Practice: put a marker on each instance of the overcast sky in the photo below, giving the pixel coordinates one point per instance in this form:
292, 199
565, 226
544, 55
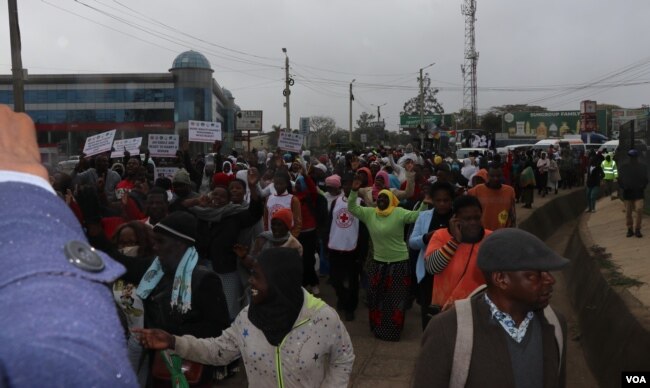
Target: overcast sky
523, 45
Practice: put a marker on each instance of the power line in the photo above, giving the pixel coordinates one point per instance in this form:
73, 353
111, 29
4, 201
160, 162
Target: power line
194, 37
168, 37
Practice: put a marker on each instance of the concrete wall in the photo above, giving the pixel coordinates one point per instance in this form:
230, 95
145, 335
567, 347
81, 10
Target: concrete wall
614, 326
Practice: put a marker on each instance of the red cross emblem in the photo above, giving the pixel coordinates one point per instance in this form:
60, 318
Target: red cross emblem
344, 218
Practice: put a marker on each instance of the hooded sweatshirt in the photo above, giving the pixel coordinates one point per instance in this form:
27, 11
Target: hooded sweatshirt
316, 350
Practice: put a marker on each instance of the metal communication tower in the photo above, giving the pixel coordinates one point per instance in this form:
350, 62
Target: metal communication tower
471, 59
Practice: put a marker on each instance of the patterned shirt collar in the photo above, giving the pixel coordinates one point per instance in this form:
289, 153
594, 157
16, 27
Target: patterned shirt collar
506, 321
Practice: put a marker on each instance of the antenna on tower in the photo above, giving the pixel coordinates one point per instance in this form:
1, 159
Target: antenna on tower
468, 69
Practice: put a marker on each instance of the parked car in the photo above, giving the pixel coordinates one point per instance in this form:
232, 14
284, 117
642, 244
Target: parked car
463, 153
66, 166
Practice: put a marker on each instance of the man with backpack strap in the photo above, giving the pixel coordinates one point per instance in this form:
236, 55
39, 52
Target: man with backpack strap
506, 335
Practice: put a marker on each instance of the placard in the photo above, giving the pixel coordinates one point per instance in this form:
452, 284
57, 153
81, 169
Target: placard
204, 131
165, 172
99, 143
163, 145
131, 145
291, 142
249, 120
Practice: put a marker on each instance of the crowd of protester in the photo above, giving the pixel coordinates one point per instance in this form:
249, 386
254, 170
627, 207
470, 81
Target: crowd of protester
384, 224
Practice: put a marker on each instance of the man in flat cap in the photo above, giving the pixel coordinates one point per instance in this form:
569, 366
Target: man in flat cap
505, 335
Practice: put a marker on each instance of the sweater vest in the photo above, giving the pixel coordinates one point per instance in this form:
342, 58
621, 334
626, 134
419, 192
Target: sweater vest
344, 232
277, 202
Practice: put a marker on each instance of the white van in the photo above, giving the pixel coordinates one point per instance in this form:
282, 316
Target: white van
608, 146
577, 145
463, 153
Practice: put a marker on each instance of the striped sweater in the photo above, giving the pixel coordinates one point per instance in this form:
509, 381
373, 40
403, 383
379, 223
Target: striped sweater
453, 265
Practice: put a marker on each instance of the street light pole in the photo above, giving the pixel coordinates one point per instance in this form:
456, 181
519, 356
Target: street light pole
287, 91
422, 104
351, 99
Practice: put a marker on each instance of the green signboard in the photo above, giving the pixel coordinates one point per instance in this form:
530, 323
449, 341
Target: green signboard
542, 125
412, 121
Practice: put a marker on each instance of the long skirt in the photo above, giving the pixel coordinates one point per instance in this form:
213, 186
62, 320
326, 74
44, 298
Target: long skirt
388, 292
344, 274
232, 290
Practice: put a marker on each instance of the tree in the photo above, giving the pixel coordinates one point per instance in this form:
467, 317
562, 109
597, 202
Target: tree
323, 128
364, 120
491, 122
502, 109
274, 135
431, 104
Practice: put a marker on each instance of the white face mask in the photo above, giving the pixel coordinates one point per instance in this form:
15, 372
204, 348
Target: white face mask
129, 251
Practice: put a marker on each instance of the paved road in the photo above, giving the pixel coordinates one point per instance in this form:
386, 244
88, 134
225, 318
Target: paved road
381, 364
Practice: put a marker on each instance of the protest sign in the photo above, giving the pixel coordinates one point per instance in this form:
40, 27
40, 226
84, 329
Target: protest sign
291, 142
204, 131
99, 143
163, 145
165, 172
131, 145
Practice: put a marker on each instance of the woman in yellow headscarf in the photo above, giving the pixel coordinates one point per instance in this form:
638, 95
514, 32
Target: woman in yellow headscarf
388, 271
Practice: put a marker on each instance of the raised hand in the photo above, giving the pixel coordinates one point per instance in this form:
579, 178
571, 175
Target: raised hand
356, 184
18, 146
253, 177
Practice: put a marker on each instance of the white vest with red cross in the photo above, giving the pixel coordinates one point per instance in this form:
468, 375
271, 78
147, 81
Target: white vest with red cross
277, 202
344, 231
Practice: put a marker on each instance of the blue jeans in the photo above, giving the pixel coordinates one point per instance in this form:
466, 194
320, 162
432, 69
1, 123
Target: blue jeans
592, 196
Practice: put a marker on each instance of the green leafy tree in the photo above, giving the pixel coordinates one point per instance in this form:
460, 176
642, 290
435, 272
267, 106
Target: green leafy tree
502, 109
491, 122
364, 120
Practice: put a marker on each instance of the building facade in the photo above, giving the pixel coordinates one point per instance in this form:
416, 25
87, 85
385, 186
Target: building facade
67, 108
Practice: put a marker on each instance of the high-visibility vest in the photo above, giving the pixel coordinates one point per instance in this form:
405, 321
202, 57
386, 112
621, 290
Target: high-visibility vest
610, 170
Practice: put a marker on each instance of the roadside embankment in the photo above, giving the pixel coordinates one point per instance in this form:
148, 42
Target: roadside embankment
614, 324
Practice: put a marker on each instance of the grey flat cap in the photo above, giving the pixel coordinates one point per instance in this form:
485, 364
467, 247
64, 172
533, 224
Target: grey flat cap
513, 249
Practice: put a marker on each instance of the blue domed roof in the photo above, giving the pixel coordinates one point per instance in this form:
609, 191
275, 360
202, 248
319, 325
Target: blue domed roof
191, 60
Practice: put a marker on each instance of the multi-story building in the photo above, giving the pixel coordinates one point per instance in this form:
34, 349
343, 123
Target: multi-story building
67, 108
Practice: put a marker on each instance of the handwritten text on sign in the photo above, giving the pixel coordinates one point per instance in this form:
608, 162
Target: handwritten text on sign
165, 172
204, 131
99, 143
163, 145
290, 141
131, 145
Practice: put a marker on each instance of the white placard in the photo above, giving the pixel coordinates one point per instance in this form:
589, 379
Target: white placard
291, 142
249, 120
99, 143
204, 131
364, 138
165, 172
163, 145
131, 145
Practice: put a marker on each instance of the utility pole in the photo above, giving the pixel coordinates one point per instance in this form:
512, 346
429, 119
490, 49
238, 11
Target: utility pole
378, 111
16, 59
351, 99
421, 101
286, 92
422, 104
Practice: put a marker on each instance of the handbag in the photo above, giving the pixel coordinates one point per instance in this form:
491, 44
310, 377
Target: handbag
170, 367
